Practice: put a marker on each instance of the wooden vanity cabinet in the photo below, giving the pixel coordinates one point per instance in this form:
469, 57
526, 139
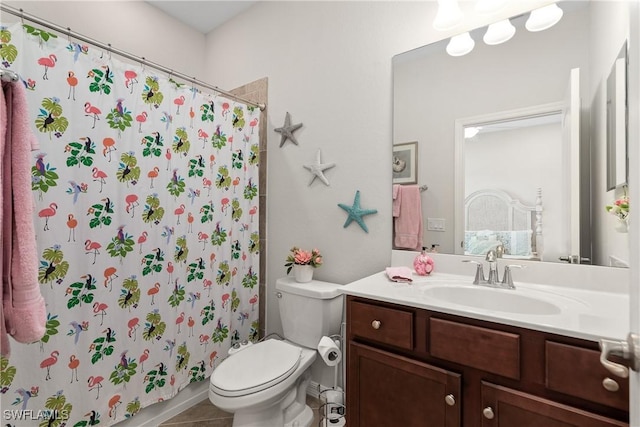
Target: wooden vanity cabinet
394, 390
413, 367
507, 407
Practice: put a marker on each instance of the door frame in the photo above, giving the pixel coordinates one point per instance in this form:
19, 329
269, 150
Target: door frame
459, 154
634, 194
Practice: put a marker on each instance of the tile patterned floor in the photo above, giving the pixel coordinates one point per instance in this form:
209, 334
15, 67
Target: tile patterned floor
204, 414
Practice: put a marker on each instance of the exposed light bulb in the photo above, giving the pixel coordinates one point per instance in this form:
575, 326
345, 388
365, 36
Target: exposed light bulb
499, 32
544, 18
488, 7
460, 45
449, 15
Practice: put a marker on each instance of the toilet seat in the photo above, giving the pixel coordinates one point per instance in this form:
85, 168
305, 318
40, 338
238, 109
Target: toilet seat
255, 368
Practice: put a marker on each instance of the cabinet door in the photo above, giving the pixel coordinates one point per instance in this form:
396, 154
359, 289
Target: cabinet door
388, 390
504, 407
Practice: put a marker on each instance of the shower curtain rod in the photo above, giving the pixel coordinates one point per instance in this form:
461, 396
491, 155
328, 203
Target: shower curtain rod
8, 75
67, 31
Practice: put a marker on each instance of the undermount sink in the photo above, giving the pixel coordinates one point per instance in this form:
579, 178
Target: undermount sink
493, 299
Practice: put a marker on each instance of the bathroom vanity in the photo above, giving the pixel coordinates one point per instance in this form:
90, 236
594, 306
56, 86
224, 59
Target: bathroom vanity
421, 355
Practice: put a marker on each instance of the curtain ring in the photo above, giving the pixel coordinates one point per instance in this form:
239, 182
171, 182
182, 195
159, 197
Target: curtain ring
69, 34
109, 50
143, 63
22, 16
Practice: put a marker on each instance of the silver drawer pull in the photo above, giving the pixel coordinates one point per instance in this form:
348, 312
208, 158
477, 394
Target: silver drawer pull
376, 324
610, 384
488, 413
450, 400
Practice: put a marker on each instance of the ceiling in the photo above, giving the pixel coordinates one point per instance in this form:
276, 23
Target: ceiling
204, 16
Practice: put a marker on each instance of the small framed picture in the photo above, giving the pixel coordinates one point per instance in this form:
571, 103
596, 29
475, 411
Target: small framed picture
405, 163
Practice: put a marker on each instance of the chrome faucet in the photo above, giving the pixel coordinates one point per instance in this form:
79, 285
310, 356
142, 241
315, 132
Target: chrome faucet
500, 250
494, 279
507, 280
492, 258
479, 279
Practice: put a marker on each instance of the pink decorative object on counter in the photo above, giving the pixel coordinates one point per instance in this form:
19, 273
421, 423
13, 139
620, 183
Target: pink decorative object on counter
423, 264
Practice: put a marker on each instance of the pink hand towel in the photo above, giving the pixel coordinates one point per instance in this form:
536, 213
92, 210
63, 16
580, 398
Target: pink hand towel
396, 200
408, 224
399, 274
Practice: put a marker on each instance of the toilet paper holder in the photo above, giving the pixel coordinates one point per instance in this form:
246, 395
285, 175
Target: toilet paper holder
329, 350
332, 408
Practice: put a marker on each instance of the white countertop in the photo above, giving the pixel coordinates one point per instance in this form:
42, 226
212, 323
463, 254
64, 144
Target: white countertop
585, 314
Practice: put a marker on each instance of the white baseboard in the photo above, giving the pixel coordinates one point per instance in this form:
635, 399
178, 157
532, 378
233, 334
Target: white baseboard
156, 414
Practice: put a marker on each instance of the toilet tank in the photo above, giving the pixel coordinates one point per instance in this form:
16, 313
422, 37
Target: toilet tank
309, 310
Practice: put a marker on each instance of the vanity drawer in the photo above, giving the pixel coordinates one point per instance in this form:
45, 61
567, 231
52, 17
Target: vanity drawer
490, 350
578, 372
385, 325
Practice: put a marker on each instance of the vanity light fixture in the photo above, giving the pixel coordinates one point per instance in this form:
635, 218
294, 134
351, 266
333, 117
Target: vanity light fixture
449, 15
460, 45
544, 18
499, 32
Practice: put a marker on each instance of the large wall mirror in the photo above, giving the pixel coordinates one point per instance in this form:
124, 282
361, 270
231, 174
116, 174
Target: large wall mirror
512, 138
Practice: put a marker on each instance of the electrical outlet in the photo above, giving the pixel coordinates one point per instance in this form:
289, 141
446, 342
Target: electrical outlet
435, 224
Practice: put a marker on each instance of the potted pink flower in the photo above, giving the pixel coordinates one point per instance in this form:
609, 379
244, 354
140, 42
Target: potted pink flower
620, 209
303, 262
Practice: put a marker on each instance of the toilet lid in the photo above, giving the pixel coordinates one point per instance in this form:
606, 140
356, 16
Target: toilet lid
255, 368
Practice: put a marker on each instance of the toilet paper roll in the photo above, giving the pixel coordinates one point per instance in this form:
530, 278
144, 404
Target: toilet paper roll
340, 422
329, 351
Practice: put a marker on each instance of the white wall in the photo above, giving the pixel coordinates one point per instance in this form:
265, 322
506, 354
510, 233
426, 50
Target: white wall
329, 65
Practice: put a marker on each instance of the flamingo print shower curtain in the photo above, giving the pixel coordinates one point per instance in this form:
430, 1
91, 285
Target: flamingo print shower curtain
146, 195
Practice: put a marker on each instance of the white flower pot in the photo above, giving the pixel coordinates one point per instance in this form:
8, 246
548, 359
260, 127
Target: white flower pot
622, 226
303, 273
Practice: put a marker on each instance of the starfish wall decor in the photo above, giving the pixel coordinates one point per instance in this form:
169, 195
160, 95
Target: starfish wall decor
356, 212
317, 169
287, 130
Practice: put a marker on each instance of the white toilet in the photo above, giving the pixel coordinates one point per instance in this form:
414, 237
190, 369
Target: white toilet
265, 384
